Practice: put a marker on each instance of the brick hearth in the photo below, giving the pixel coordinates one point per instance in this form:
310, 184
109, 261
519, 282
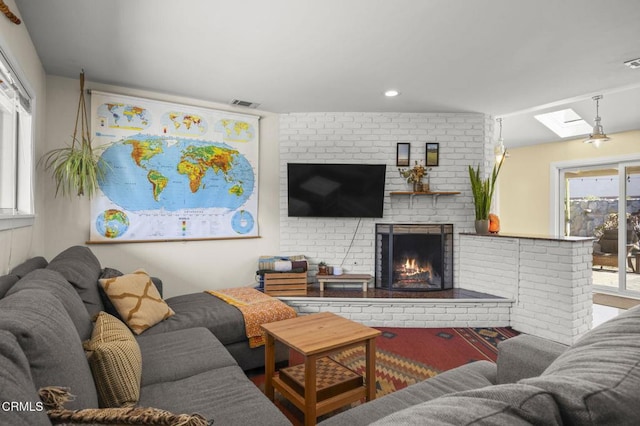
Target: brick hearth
383, 308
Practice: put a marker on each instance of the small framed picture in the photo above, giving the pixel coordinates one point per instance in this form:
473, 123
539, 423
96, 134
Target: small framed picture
403, 154
433, 154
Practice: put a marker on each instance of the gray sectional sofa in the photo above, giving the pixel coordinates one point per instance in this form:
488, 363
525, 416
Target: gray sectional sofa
596, 381
191, 363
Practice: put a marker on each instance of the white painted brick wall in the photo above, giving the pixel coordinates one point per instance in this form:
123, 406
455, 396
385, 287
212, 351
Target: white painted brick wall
550, 281
410, 313
353, 137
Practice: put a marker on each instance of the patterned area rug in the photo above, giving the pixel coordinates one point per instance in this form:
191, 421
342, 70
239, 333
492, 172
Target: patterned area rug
393, 371
405, 356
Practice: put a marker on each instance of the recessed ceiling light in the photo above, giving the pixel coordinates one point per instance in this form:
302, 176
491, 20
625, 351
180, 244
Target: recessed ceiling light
565, 123
391, 93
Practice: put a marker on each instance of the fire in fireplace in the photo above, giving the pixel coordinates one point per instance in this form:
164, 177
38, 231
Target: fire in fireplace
414, 256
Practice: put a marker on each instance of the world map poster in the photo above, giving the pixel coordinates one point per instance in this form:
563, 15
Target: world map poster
173, 172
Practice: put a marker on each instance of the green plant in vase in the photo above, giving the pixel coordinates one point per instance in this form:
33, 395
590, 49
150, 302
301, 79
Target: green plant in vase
76, 168
482, 190
322, 268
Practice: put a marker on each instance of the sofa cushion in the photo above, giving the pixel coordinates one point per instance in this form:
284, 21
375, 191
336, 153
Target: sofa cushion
468, 376
116, 362
17, 386
137, 300
597, 380
179, 354
106, 302
81, 268
224, 395
6, 282
204, 310
29, 265
525, 356
54, 283
50, 342
510, 404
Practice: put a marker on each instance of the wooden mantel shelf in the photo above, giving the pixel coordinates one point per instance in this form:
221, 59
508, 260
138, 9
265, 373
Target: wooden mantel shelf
435, 195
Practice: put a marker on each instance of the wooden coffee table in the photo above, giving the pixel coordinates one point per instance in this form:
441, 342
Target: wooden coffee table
316, 336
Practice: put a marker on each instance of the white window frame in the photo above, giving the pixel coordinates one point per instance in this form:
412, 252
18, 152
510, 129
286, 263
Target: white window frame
16, 149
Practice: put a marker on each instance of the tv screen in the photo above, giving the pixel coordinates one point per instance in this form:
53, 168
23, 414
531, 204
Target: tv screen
335, 190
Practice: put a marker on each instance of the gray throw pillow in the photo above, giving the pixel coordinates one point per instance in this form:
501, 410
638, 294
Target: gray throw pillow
81, 268
597, 380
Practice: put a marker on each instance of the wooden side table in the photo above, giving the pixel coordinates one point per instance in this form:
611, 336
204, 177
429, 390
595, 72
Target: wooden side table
345, 278
316, 336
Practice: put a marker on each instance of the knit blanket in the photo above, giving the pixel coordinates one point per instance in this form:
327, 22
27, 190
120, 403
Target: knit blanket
257, 308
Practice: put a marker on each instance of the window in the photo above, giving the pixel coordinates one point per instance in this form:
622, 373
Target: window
16, 150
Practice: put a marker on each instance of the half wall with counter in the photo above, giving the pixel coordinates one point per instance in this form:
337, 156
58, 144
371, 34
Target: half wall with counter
548, 278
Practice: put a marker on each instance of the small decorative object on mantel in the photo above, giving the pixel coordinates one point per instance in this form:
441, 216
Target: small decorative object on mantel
415, 175
482, 190
494, 223
76, 167
322, 268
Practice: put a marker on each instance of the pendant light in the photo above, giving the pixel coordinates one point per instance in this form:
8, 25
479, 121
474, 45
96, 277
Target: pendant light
499, 150
598, 136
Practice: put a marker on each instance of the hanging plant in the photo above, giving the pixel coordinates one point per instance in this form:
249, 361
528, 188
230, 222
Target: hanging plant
76, 168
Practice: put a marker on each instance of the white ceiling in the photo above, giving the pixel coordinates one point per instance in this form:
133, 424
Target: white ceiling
506, 58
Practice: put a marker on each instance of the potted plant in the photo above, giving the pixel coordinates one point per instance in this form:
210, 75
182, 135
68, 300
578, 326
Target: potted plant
482, 190
76, 168
414, 176
322, 268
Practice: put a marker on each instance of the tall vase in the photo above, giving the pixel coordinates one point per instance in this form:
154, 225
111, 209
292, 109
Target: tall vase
482, 226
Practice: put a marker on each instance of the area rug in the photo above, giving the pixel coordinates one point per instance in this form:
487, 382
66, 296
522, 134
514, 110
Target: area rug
405, 356
615, 301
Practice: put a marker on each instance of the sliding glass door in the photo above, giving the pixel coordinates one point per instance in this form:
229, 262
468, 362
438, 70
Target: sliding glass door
594, 198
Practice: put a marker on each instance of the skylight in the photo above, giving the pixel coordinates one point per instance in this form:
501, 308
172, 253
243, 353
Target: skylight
565, 123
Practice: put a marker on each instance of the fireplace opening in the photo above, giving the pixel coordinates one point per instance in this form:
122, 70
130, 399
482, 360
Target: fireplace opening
414, 256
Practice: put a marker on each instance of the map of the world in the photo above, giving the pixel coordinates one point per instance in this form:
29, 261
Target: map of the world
173, 172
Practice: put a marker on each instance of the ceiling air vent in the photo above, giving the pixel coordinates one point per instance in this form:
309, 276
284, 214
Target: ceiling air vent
246, 104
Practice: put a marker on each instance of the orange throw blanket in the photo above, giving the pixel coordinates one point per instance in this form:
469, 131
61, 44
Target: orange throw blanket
257, 308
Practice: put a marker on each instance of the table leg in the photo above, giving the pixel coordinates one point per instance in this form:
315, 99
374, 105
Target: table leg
371, 369
364, 287
310, 390
269, 366
321, 286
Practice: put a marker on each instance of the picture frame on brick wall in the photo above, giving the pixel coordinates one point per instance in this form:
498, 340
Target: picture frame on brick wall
432, 154
403, 154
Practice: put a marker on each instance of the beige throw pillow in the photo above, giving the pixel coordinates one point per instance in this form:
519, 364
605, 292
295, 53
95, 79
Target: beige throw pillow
116, 362
137, 300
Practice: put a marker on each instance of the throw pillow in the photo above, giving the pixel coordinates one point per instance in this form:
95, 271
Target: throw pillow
137, 300
115, 361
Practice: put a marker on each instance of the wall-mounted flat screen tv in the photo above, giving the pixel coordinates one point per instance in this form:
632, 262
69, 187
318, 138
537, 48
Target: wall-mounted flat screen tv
335, 190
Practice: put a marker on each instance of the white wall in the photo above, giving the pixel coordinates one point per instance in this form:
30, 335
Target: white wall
465, 139
184, 267
524, 184
20, 244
